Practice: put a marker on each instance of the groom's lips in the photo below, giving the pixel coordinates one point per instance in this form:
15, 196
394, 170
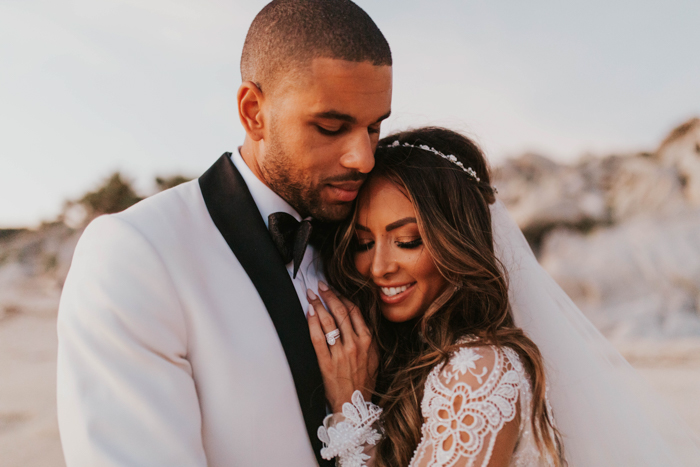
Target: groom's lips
345, 191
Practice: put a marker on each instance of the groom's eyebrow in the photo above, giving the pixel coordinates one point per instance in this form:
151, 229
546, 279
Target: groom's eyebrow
335, 115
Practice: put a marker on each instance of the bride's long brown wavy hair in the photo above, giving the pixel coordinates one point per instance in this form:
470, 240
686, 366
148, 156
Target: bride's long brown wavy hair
454, 220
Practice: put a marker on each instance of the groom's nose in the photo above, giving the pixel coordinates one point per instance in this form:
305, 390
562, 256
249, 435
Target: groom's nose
359, 155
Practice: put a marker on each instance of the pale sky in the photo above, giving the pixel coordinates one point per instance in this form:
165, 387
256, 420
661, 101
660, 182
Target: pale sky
148, 87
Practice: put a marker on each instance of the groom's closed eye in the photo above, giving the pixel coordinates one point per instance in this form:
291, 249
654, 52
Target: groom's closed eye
335, 123
344, 128
331, 132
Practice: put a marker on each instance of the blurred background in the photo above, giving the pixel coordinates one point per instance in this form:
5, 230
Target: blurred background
588, 111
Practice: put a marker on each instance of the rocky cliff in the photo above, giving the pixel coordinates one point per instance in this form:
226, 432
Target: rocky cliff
621, 234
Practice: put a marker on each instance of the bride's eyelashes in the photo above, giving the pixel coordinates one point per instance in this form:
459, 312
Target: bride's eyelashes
361, 247
368, 245
410, 245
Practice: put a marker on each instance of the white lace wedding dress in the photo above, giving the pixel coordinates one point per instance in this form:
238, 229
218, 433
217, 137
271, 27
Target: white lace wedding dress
466, 403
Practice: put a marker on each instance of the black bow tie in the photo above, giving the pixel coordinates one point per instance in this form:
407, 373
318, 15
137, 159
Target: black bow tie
290, 237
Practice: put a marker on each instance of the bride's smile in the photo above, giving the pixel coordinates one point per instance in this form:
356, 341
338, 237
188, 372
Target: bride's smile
390, 252
396, 293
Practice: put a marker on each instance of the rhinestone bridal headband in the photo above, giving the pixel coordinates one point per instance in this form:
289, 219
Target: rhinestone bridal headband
449, 157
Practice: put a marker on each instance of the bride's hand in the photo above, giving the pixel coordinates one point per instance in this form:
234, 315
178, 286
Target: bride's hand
351, 362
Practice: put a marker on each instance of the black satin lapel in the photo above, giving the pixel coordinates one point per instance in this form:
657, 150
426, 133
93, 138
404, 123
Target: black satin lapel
238, 219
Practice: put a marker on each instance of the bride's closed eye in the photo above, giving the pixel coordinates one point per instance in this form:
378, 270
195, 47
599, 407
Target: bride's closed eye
366, 245
360, 245
410, 245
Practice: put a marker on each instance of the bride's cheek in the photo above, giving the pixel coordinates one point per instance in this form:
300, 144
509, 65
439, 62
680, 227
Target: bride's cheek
362, 263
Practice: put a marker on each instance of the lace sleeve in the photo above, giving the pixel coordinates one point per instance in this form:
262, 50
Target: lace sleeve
466, 405
351, 436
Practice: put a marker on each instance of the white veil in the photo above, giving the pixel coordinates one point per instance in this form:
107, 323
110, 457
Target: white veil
607, 414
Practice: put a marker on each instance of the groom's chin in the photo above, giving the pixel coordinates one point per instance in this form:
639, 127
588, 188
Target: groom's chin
333, 212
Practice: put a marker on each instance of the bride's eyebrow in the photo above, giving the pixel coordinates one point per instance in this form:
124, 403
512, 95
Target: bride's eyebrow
390, 227
400, 223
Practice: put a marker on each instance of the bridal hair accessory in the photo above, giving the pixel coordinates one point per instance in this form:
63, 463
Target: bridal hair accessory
332, 336
448, 157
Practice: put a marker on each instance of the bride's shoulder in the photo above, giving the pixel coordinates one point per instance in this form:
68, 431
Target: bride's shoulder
480, 384
479, 364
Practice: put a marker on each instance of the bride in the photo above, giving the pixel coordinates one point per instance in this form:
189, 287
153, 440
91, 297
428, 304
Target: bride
462, 339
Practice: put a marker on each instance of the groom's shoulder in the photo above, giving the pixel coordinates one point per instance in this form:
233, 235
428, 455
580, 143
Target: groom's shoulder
162, 219
178, 209
171, 207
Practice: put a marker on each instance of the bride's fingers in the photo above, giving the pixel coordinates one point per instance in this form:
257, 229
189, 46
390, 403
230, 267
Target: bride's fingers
358, 322
327, 321
338, 309
318, 337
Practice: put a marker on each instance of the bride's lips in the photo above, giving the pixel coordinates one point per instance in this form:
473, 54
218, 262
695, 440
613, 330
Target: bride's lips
399, 297
345, 191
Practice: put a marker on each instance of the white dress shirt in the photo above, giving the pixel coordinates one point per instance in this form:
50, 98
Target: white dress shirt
269, 202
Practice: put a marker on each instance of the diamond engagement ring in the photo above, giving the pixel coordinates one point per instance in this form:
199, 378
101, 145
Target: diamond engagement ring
332, 336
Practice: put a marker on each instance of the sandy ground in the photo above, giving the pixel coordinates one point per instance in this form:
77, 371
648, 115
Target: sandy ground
29, 433
28, 427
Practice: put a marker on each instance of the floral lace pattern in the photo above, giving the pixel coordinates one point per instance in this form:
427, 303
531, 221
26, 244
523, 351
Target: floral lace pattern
345, 436
464, 414
467, 401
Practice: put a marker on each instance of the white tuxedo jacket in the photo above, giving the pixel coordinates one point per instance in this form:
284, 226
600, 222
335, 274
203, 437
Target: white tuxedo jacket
182, 341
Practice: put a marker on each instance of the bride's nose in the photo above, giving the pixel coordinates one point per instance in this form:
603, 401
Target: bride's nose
383, 262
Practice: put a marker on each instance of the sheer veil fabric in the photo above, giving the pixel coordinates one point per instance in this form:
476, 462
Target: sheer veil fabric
607, 414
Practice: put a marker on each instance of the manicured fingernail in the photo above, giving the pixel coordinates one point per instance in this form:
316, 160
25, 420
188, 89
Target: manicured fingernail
311, 310
311, 294
322, 285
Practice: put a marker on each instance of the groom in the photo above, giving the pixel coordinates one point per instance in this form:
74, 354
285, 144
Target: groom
182, 334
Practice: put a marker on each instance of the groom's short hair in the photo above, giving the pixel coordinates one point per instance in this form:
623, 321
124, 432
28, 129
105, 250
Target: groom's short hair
289, 34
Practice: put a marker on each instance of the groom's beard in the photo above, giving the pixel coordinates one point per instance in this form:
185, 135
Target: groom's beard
299, 188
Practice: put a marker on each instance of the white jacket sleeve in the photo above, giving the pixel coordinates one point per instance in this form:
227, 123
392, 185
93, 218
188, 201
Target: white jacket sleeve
126, 395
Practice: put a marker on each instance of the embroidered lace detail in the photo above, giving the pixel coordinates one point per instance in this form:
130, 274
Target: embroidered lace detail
466, 402
345, 436
465, 407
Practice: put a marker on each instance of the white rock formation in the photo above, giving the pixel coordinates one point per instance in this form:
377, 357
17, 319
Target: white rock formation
681, 151
621, 234
637, 279
542, 194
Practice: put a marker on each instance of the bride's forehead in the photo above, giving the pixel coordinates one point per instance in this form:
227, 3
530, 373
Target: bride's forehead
382, 201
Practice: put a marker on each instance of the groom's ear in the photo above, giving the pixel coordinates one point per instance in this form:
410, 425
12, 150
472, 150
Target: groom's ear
250, 109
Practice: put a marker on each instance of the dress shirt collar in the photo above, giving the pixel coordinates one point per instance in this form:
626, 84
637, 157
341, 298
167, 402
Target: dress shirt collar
267, 200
